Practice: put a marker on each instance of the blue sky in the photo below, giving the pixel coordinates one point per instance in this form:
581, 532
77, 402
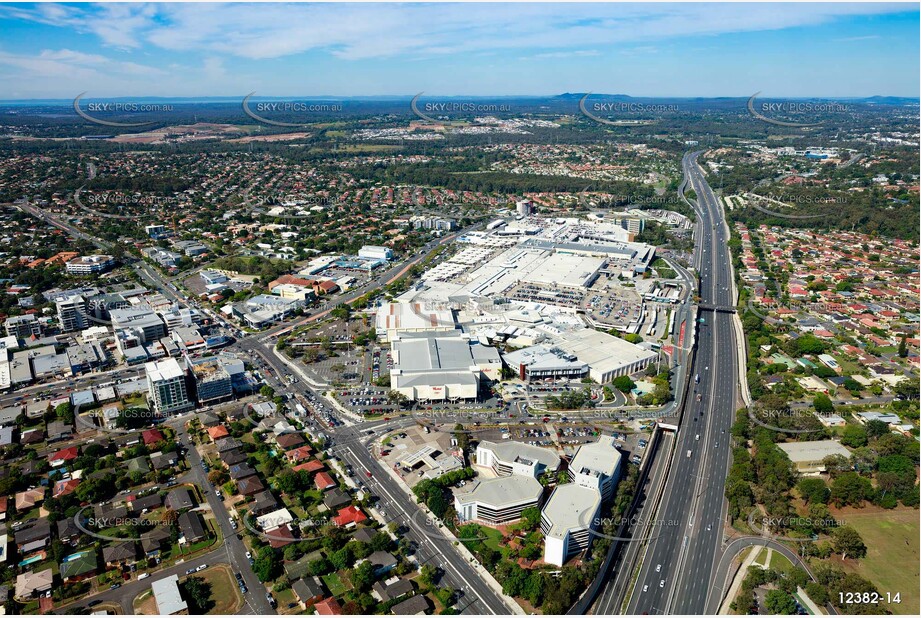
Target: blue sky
707, 49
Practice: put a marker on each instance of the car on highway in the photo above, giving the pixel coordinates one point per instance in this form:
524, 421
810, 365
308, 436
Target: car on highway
662, 583
201, 568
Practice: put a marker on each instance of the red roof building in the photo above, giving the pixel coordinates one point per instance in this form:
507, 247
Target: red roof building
310, 466
324, 481
280, 536
217, 432
63, 456
328, 607
299, 454
63, 488
151, 436
349, 515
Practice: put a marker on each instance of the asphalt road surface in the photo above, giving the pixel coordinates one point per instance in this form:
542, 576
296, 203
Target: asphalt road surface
678, 567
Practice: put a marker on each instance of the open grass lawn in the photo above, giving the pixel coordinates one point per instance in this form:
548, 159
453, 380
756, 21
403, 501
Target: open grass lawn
334, 584
224, 592
893, 552
493, 538
779, 562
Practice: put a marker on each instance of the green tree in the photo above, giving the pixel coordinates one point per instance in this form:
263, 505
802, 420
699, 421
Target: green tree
850, 489
320, 566
847, 542
363, 576
854, 436
624, 384
779, 602
823, 404
813, 490
530, 517
197, 594
267, 566
876, 428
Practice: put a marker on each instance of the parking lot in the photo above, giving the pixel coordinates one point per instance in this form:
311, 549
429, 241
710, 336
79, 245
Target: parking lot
369, 400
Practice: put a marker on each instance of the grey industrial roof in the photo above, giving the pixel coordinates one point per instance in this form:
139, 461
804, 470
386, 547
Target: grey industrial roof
421, 351
814, 450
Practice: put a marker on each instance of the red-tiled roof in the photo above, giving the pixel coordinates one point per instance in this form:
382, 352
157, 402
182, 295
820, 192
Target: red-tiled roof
328, 607
152, 436
324, 481
310, 466
217, 432
65, 454
349, 515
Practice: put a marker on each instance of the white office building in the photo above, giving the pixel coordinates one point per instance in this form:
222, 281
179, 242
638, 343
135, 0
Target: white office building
71, 313
166, 386
143, 323
567, 521
374, 252
596, 466
498, 501
516, 458
90, 264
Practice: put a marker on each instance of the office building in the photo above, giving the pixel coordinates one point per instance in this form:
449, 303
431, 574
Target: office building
498, 501
23, 326
90, 264
144, 323
166, 387
567, 521
71, 313
596, 466
516, 458
211, 380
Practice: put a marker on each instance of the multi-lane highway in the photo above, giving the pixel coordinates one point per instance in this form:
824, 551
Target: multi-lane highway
678, 566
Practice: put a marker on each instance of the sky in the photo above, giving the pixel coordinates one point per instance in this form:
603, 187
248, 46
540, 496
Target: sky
59, 50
